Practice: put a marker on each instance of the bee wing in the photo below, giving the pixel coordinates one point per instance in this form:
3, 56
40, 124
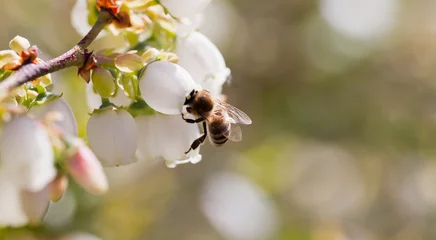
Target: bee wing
237, 115
235, 133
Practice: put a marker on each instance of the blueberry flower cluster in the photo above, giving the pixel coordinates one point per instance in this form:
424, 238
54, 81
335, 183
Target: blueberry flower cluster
136, 97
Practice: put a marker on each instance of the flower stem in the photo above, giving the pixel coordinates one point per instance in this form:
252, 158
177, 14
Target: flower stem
71, 58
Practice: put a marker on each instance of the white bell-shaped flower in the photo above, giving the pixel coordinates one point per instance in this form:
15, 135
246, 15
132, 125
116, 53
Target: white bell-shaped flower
94, 100
167, 137
203, 60
112, 136
165, 85
238, 208
26, 169
26, 154
184, 9
67, 123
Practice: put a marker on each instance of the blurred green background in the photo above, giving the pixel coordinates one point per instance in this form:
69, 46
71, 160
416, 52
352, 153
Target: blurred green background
342, 94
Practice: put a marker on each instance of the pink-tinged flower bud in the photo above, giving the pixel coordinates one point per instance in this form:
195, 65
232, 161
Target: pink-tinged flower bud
57, 187
112, 135
103, 82
18, 44
8, 57
67, 123
164, 86
129, 63
86, 170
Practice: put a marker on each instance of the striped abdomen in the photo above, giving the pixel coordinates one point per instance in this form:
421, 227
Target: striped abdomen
218, 131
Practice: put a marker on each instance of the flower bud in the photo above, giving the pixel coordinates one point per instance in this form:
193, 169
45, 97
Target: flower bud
103, 82
43, 81
18, 44
150, 55
31, 93
112, 135
129, 63
165, 85
85, 169
94, 100
57, 187
9, 57
171, 57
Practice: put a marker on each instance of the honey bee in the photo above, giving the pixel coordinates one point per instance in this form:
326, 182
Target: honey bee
219, 119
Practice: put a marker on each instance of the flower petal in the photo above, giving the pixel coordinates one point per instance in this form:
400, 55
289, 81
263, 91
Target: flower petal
165, 85
112, 136
186, 8
12, 212
8, 56
169, 137
203, 60
35, 204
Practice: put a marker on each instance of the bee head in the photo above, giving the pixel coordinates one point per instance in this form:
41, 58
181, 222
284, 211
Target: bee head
190, 97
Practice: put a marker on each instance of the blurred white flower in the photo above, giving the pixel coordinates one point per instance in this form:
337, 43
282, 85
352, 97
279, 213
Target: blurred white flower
26, 169
167, 137
79, 236
94, 100
360, 18
79, 18
165, 85
67, 123
238, 208
326, 182
186, 8
26, 154
187, 25
112, 135
203, 60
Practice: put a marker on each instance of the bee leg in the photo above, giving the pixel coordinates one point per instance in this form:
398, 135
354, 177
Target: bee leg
192, 120
197, 142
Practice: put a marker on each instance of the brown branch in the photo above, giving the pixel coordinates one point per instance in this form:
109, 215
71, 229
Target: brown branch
73, 57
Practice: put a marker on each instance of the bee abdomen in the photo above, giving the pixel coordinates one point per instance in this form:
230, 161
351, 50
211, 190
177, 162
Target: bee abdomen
219, 130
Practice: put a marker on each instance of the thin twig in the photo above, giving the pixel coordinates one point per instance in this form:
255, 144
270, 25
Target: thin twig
73, 57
